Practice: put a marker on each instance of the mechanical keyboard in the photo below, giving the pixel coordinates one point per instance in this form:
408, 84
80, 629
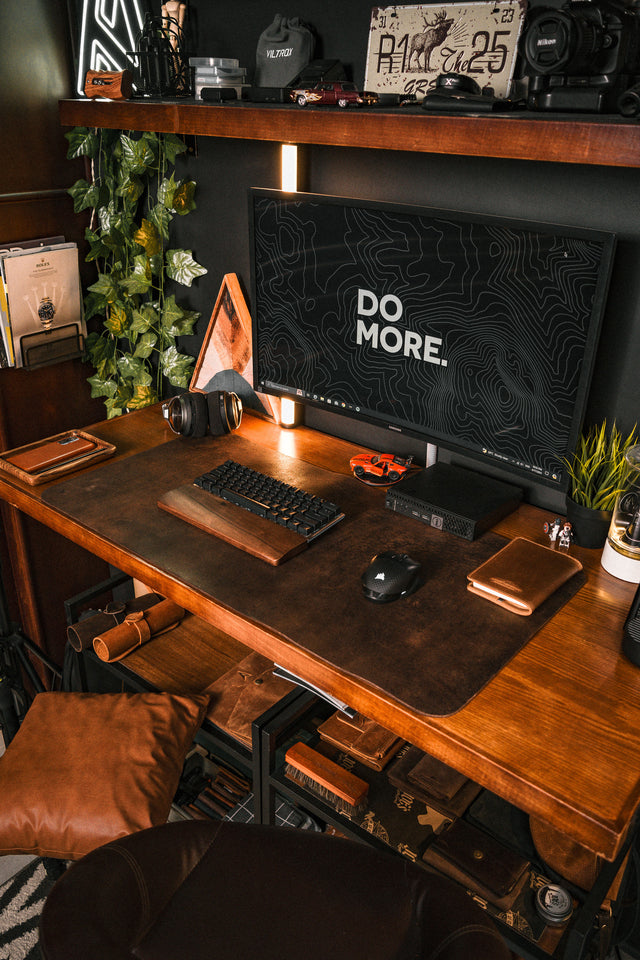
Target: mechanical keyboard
304, 513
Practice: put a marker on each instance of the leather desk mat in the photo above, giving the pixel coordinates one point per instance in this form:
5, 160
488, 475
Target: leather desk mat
432, 651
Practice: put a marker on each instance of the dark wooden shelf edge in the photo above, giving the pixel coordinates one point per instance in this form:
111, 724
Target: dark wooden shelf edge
604, 141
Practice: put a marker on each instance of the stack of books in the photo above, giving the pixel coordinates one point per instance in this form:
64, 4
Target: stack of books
41, 317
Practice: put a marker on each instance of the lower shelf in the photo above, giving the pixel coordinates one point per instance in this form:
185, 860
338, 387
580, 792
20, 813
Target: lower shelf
395, 820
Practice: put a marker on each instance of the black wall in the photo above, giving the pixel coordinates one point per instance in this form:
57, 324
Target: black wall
606, 198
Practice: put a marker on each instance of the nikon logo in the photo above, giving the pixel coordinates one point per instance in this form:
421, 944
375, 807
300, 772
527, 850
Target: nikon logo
542, 42
385, 335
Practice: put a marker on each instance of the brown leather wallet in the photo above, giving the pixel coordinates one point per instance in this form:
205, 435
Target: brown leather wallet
364, 739
522, 575
479, 862
433, 782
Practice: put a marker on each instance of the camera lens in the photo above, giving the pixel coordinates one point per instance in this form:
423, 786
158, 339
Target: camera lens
559, 42
629, 102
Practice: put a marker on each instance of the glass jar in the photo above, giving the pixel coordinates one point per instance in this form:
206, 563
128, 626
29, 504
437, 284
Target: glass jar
621, 554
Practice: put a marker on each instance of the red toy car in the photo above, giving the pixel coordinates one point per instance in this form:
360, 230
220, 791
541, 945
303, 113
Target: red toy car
337, 92
382, 468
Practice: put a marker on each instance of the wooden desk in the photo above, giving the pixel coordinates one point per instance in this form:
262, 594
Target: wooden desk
556, 732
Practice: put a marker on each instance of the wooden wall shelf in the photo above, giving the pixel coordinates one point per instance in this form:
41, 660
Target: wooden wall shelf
605, 141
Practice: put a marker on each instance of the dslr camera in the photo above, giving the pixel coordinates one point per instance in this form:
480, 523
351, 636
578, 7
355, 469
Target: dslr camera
581, 56
195, 414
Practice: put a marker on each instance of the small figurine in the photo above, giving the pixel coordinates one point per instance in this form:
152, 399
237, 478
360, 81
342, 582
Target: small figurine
566, 536
553, 528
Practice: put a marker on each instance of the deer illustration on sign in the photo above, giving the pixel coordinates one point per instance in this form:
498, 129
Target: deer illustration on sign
422, 44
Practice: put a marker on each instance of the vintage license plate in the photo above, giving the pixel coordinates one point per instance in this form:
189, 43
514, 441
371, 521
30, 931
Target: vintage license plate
409, 47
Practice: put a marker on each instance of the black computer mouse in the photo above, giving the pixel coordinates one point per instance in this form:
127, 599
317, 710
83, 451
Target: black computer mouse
390, 576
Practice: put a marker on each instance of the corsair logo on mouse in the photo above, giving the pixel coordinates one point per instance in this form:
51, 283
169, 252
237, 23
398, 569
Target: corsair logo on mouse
380, 576
386, 333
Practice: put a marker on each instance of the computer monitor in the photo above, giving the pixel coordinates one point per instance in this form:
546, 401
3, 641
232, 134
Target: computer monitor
473, 332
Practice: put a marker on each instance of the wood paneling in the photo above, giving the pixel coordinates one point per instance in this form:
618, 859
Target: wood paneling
40, 568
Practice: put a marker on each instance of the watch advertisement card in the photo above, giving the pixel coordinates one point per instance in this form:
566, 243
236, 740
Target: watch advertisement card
44, 302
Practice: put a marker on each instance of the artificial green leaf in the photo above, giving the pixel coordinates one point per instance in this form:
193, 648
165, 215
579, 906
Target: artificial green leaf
182, 268
130, 189
114, 409
105, 288
101, 346
144, 319
149, 238
100, 387
145, 346
108, 216
82, 143
118, 320
134, 369
116, 243
137, 154
177, 367
166, 189
173, 146
84, 195
156, 264
152, 141
98, 250
139, 280
183, 201
160, 217
143, 396
176, 321
93, 305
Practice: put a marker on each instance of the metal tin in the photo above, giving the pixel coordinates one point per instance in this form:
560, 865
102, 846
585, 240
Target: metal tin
554, 903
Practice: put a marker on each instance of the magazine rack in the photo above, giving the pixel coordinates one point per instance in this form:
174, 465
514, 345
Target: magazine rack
40, 349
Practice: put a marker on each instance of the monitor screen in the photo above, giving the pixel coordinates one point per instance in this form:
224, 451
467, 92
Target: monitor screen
472, 332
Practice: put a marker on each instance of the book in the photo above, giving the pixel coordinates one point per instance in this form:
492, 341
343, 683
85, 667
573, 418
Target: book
522, 575
44, 302
7, 358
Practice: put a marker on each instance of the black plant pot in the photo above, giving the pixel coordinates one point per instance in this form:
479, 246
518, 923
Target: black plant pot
589, 527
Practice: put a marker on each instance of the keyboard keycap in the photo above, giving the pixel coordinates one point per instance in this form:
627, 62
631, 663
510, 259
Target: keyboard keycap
265, 496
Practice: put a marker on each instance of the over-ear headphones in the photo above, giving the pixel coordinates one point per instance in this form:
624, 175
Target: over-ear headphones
195, 414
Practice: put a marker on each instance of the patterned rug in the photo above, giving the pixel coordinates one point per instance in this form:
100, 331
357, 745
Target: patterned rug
21, 901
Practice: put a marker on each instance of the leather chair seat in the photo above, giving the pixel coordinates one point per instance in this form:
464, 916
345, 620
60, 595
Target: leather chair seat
203, 890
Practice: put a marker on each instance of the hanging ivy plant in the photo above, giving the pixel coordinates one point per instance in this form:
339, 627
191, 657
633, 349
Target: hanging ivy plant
134, 196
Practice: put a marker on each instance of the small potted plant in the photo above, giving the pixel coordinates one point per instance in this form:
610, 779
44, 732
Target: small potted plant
597, 473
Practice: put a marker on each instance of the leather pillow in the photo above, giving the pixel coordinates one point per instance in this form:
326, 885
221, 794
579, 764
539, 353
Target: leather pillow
87, 768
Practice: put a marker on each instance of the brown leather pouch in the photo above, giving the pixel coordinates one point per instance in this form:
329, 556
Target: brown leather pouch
567, 858
243, 693
136, 628
522, 575
478, 862
364, 739
435, 783
82, 634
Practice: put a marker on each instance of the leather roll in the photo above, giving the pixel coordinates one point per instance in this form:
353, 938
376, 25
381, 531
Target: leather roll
137, 627
82, 634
